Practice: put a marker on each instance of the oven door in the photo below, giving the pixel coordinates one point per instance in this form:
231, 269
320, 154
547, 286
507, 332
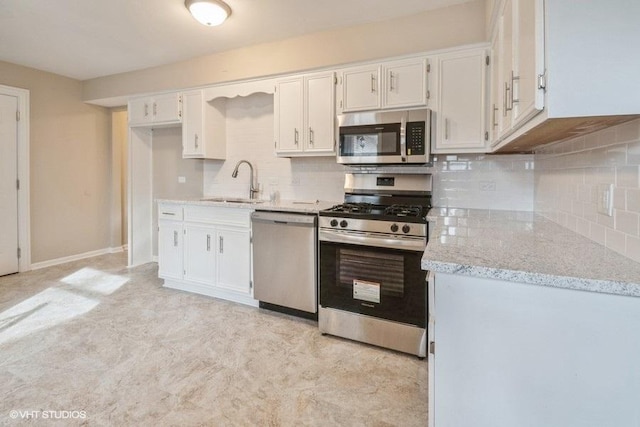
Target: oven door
375, 281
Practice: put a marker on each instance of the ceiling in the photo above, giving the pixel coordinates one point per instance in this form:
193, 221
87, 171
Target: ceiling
93, 38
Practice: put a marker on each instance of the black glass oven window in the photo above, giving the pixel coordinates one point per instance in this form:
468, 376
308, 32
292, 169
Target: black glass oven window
375, 267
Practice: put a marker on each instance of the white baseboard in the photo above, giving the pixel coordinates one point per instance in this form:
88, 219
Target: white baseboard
64, 260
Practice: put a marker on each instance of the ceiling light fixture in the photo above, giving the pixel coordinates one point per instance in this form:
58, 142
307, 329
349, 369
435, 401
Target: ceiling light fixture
208, 12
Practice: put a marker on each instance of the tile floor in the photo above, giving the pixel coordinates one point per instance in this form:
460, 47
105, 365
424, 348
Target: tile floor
119, 349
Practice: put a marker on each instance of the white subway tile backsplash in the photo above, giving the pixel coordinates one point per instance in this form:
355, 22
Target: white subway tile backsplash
567, 175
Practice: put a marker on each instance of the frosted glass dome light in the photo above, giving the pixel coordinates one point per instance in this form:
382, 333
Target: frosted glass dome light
208, 12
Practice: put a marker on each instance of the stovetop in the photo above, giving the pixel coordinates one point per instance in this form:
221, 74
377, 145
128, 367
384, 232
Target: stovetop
393, 212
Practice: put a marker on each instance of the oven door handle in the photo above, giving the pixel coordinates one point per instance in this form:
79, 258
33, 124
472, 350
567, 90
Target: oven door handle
407, 243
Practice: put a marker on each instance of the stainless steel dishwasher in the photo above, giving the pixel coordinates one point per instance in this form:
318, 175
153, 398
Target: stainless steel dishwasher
284, 262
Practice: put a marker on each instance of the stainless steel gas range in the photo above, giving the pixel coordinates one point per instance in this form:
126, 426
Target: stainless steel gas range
372, 288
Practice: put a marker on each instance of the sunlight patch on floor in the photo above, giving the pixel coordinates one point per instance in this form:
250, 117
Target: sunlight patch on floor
44, 310
95, 281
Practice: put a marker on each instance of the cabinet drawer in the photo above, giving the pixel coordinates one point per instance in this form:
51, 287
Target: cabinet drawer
170, 211
218, 215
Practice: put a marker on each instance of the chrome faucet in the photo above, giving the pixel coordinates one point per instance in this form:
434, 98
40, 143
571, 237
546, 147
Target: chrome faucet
252, 189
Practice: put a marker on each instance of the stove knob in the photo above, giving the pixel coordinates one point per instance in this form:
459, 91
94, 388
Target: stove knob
343, 223
394, 227
406, 228
334, 223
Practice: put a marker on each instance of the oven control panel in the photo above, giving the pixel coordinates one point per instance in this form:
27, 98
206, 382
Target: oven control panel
373, 226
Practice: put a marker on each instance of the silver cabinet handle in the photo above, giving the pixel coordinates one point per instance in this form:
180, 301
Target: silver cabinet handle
508, 95
175, 238
373, 83
494, 123
169, 213
196, 140
221, 244
446, 128
513, 79
391, 79
146, 110
295, 135
208, 242
155, 108
310, 136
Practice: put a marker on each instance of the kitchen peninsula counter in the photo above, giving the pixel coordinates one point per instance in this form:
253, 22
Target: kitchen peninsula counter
524, 247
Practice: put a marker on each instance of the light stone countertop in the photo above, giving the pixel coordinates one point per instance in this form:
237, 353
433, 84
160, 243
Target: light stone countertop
299, 206
524, 247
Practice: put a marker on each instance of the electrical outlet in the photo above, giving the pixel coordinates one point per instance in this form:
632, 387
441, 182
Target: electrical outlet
487, 186
605, 199
182, 180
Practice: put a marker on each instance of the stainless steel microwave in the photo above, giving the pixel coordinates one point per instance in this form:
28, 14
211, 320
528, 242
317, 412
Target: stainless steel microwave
384, 137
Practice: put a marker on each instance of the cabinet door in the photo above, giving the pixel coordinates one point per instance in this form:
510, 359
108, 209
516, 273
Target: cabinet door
460, 122
170, 249
320, 112
506, 55
199, 253
139, 111
167, 108
528, 59
405, 83
192, 125
495, 113
361, 89
288, 115
234, 259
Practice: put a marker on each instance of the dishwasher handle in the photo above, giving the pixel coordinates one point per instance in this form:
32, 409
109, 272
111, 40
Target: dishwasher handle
283, 218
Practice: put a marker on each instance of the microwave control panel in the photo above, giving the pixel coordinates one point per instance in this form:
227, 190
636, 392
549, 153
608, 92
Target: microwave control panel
415, 138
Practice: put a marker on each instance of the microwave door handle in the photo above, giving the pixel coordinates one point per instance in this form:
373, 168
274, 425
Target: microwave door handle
403, 139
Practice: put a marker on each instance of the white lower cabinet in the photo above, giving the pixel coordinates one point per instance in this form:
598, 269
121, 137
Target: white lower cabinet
207, 252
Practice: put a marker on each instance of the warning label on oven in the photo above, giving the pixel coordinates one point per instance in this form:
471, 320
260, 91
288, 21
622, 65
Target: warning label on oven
366, 291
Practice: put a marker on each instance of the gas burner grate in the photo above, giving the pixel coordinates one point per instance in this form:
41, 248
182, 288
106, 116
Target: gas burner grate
403, 210
352, 208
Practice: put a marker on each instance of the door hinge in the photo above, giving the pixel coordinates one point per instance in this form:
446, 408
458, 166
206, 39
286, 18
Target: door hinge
428, 94
432, 347
341, 104
19, 253
250, 284
275, 88
486, 136
542, 81
17, 115
487, 60
335, 80
428, 67
17, 184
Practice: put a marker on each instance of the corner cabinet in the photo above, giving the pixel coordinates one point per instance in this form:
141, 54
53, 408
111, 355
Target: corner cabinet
460, 116
304, 115
563, 70
393, 84
158, 110
203, 128
206, 250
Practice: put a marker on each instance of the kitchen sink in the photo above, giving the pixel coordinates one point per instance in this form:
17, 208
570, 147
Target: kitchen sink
231, 200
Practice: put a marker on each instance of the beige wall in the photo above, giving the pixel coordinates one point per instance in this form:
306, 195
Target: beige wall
70, 165
119, 148
436, 29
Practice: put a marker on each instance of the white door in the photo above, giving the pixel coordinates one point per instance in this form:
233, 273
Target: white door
288, 115
170, 250
405, 83
320, 110
199, 253
361, 88
8, 188
234, 260
192, 141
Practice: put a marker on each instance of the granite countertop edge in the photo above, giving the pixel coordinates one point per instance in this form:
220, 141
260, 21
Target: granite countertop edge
460, 256
297, 206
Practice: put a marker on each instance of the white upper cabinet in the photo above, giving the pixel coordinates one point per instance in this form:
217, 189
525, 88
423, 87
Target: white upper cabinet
393, 84
460, 117
203, 128
304, 115
361, 88
566, 69
405, 83
164, 109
